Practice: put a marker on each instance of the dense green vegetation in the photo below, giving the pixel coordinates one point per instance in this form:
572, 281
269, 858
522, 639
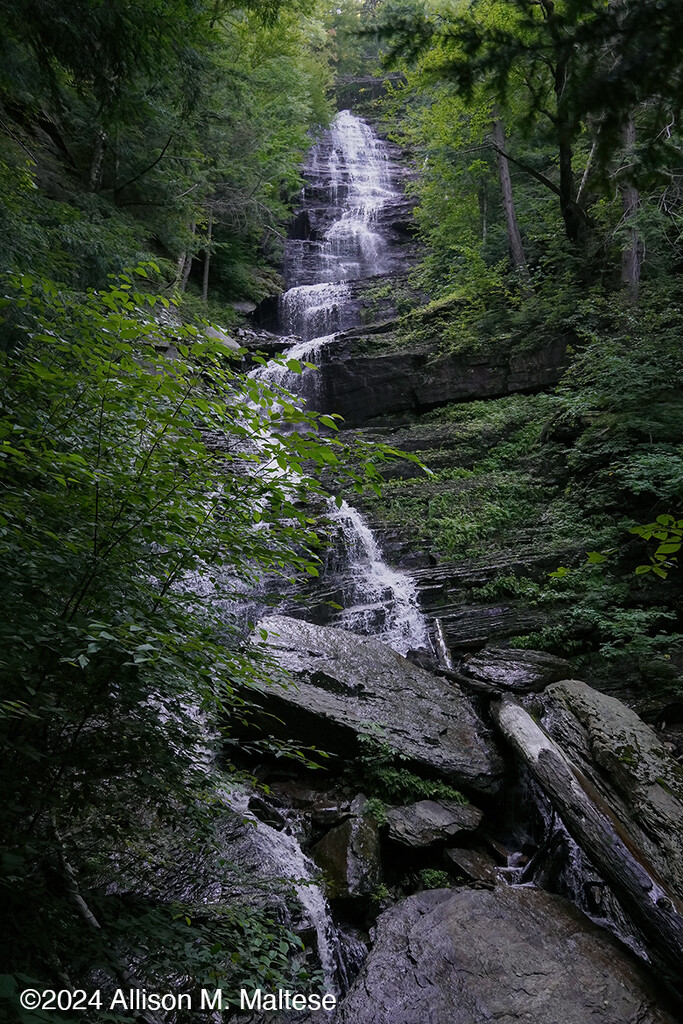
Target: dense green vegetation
147, 479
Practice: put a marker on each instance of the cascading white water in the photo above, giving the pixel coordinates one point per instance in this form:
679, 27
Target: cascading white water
350, 169
384, 601
313, 310
283, 852
350, 172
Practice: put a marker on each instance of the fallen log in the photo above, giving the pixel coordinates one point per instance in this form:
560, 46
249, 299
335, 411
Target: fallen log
648, 899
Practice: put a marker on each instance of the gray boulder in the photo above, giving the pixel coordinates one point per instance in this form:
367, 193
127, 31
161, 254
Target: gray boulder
349, 855
216, 334
517, 671
428, 822
509, 955
348, 685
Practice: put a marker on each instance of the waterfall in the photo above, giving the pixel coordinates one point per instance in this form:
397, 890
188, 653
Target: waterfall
350, 173
383, 601
350, 176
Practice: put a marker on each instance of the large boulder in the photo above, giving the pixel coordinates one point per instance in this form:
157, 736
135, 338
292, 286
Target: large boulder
348, 685
349, 855
428, 822
509, 955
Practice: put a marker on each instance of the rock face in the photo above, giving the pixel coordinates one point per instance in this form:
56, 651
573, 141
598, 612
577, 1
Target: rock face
511, 955
623, 758
517, 671
348, 684
361, 387
431, 821
476, 865
349, 855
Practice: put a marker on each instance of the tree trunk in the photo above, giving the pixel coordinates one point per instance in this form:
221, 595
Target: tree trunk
483, 210
595, 827
207, 257
632, 254
514, 237
95, 178
185, 264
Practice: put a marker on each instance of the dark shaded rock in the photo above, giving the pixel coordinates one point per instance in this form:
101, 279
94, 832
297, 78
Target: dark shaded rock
474, 626
476, 865
266, 813
511, 955
349, 855
519, 671
361, 387
347, 683
431, 821
303, 795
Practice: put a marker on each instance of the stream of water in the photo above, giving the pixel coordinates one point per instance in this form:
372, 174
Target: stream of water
350, 177
349, 173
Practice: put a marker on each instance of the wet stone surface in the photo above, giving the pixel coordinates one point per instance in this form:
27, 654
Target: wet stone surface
346, 684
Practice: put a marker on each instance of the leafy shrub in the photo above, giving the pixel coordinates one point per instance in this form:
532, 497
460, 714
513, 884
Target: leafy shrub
376, 772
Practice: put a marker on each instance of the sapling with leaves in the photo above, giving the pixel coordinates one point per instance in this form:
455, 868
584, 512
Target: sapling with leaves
142, 494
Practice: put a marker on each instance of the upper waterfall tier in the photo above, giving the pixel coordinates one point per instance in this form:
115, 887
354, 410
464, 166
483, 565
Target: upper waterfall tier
345, 230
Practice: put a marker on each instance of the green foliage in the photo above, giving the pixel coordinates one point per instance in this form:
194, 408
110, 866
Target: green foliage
669, 532
378, 809
376, 772
433, 878
143, 124
142, 494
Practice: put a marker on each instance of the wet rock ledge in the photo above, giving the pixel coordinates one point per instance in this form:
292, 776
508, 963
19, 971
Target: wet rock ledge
346, 684
511, 955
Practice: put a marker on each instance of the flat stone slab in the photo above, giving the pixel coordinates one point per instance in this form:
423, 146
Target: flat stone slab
517, 671
428, 822
506, 956
348, 685
476, 864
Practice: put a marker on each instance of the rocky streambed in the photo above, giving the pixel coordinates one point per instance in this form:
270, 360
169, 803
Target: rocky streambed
531, 867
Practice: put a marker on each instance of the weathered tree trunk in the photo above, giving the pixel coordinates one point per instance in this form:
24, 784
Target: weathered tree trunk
594, 826
571, 214
185, 264
514, 237
483, 211
207, 257
632, 254
96, 164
